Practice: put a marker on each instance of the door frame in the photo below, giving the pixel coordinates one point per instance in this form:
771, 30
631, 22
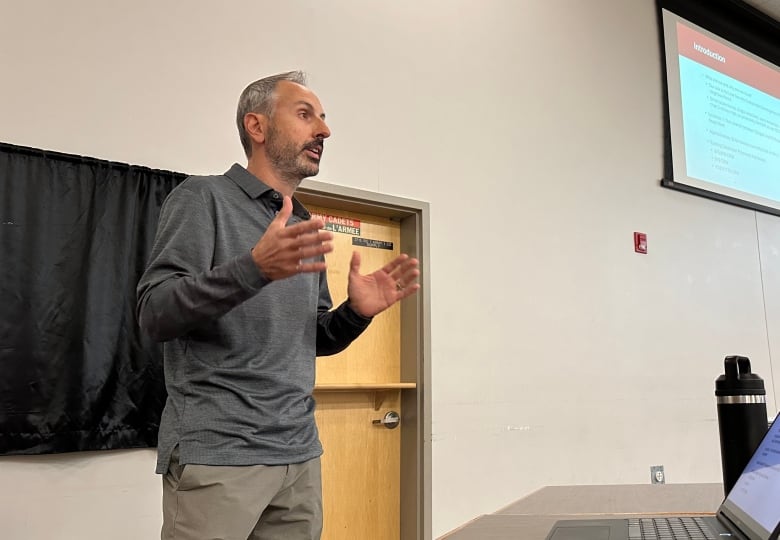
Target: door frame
413, 216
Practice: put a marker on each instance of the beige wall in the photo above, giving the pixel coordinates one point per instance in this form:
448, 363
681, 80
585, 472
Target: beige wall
533, 128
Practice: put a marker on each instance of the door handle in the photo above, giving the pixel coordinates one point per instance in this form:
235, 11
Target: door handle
390, 420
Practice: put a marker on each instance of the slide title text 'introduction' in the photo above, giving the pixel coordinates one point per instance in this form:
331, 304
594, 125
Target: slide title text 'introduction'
711, 54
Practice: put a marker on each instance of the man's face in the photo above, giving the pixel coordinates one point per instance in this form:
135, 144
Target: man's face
296, 132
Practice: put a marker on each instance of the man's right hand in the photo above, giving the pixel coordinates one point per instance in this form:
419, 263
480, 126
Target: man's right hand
285, 251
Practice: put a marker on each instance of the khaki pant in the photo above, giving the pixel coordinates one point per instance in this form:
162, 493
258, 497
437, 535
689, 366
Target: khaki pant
203, 502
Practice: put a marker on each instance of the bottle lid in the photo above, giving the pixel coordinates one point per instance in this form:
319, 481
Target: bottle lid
738, 380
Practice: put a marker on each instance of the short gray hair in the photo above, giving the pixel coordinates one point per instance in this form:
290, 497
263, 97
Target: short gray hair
260, 97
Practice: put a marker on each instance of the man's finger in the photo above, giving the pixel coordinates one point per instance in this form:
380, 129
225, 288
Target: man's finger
395, 263
408, 290
311, 238
280, 221
410, 275
354, 263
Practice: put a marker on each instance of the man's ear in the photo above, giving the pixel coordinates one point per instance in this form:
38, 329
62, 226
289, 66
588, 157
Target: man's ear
256, 125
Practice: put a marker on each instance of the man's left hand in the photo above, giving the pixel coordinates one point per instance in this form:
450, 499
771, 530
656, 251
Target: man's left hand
371, 294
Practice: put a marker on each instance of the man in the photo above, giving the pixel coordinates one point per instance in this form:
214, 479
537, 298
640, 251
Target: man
236, 288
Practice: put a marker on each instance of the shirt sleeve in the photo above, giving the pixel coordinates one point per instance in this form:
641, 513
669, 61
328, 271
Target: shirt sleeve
336, 328
179, 289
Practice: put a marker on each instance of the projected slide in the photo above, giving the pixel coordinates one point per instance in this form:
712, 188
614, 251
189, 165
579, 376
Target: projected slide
730, 115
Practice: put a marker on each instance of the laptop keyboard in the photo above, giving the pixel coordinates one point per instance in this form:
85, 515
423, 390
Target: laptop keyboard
669, 529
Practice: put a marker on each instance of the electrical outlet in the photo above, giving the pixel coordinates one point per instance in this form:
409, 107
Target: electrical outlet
657, 475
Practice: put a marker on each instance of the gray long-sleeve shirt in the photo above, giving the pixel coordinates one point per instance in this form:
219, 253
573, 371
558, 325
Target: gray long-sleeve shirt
239, 350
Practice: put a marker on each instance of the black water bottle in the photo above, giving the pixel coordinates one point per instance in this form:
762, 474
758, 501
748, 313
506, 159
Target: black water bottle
742, 419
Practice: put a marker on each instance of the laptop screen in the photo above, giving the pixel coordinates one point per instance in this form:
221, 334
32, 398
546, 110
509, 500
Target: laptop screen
754, 498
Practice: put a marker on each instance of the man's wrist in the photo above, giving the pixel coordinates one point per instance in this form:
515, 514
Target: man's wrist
350, 304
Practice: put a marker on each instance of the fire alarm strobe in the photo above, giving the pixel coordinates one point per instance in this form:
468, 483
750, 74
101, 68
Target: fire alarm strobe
640, 242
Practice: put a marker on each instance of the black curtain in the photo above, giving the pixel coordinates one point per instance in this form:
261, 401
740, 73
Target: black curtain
75, 234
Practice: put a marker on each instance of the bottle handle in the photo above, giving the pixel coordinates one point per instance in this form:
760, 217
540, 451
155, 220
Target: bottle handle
736, 366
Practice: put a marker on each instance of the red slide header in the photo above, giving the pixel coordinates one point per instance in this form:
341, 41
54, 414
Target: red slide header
716, 55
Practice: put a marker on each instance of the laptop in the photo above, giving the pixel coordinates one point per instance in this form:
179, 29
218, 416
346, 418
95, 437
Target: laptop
751, 511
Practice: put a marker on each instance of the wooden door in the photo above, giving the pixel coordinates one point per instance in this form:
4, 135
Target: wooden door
361, 463
360, 467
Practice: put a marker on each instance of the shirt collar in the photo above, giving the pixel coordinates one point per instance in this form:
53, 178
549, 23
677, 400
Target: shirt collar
257, 189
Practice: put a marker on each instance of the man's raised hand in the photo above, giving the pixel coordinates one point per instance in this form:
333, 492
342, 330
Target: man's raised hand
285, 251
373, 293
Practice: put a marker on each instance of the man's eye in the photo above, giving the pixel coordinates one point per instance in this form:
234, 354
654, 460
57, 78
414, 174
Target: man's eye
303, 114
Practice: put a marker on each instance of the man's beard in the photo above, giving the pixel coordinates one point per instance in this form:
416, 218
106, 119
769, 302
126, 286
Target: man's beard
291, 162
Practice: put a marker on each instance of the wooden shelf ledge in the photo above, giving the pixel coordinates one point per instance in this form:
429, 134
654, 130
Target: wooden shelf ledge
380, 390
351, 387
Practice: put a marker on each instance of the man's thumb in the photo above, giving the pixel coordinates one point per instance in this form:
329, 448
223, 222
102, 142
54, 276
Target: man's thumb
284, 214
354, 263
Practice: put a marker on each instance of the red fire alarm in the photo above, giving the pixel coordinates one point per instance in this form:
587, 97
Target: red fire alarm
640, 242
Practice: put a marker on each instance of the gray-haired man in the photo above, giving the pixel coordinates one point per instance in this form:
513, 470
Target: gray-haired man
237, 291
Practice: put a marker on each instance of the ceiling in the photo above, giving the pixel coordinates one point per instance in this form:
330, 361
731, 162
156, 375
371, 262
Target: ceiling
770, 7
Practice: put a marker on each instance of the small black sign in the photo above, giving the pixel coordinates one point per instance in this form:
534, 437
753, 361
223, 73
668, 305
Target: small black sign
366, 242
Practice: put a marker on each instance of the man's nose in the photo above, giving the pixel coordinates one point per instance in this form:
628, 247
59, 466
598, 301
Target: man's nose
322, 130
